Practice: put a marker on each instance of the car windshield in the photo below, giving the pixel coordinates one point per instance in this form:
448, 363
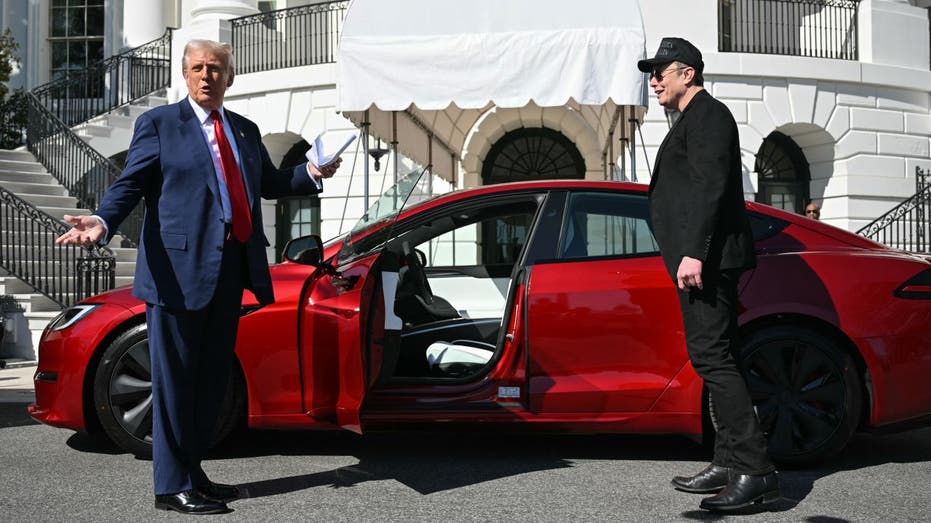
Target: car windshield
374, 228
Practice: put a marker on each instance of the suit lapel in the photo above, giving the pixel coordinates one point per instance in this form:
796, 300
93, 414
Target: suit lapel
190, 131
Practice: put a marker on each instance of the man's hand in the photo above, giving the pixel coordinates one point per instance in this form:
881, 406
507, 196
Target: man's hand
87, 231
324, 172
689, 273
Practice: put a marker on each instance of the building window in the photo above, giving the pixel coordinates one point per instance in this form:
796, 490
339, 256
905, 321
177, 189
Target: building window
295, 216
535, 153
76, 34
783, 173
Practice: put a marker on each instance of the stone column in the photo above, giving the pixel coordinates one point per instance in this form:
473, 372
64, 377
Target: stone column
142, 22
205, 10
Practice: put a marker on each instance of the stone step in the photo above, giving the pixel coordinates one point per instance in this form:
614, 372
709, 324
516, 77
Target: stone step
39, 320
17, 155
22, 188
93, 130
27, 177
59, 212
46, 200
122, 254
22, 166
121, 121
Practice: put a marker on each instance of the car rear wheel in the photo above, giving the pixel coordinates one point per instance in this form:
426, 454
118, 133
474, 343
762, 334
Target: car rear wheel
806, 390
123, 394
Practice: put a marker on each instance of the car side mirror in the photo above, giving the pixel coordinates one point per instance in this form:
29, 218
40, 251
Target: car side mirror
306, 250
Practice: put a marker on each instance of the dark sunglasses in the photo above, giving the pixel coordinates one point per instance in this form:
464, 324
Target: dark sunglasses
812, 211
659, 74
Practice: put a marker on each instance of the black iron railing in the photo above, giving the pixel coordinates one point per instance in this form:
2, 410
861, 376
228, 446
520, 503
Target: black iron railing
815, 28
906, 226
64, 273
108, 84
13, 117
84, 172
305, 35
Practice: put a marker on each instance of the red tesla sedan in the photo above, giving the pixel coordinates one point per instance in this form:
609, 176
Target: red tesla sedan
539, 305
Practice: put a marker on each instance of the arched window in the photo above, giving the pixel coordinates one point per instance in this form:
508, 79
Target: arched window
783, 173
534, 153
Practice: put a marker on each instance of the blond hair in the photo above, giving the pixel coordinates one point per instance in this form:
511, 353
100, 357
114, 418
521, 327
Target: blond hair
221, 50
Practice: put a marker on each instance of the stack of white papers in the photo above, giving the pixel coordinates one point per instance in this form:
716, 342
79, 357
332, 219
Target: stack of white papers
319, 158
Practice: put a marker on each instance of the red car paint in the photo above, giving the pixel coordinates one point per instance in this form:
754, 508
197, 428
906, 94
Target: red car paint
591, 344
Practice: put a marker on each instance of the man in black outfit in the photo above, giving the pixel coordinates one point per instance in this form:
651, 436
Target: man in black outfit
697, 208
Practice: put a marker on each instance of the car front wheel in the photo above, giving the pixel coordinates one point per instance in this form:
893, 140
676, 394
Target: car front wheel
123, 394
806, 390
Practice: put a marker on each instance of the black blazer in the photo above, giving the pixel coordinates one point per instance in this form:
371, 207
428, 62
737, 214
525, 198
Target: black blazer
696, 192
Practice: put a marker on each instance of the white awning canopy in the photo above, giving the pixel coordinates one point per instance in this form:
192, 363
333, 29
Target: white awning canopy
440, 65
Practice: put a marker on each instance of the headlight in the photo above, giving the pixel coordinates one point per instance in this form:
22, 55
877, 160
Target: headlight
71, 315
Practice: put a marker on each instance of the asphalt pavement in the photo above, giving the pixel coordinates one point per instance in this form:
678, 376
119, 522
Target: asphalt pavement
49, 474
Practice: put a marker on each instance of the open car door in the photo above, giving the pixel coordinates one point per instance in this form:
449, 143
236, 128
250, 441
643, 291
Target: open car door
343, 310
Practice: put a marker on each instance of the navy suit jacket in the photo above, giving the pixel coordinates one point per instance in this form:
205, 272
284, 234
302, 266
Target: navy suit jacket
169, 165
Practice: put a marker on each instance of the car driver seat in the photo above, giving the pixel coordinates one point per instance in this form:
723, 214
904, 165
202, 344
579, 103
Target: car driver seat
459, 358
415, 302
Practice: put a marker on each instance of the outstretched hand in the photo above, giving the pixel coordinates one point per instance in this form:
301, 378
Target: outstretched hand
86, 231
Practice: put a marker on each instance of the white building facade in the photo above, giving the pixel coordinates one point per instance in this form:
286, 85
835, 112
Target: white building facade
846, 131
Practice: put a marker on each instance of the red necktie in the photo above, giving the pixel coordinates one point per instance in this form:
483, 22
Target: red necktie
242, 217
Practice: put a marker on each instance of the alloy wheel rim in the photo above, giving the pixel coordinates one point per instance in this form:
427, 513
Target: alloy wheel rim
799, 395
130, 392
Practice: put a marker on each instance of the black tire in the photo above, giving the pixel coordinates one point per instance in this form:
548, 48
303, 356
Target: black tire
123, 395
806, 390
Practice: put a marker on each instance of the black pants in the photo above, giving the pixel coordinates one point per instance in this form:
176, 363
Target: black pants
710, 318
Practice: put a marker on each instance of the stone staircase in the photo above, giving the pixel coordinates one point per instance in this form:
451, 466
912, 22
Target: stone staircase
21, 174
110, 134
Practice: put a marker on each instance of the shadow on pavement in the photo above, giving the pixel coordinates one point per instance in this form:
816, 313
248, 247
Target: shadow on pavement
84, 442
864, 450
14, 414
467, 458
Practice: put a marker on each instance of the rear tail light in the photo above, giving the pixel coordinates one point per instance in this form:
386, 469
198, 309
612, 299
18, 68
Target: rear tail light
918, 287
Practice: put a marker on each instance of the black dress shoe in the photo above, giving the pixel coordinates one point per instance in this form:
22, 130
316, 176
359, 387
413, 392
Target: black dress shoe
712, 479
744, 490
190, 502
219, 491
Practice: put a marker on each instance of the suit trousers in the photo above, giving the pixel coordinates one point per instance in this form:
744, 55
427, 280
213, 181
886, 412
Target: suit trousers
192, 354
710, 319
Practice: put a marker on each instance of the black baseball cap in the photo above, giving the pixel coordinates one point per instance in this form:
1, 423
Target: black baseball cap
673, 49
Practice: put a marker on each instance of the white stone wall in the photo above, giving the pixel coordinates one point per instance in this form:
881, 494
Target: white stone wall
862, 126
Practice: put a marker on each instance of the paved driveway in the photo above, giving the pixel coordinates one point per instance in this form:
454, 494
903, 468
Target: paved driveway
56, 475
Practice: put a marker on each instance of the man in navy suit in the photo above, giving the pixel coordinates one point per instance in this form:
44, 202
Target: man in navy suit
699, 219
201, 171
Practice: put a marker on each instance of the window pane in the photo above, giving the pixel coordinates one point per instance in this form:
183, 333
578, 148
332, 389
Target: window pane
94, 51
59, 22
95, 21
59, 55
77, 54
75, 22
59, 3
607, 225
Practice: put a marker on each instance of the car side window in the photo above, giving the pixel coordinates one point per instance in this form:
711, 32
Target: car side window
606, 224
494, 238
